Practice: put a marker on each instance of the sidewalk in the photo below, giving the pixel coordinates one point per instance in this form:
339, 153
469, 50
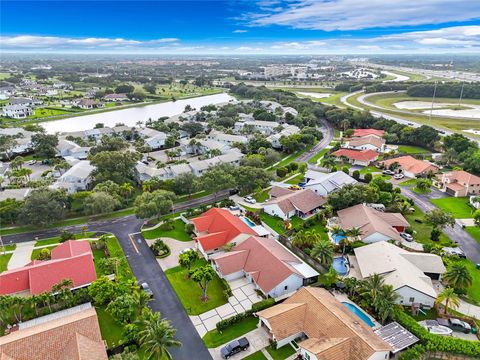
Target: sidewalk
22, 254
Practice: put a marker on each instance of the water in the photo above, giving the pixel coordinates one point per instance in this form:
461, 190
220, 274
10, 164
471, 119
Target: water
340, 264
249, 222
357, 311
337, 238
131, 116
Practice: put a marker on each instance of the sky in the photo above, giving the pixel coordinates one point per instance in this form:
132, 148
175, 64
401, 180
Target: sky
291, 27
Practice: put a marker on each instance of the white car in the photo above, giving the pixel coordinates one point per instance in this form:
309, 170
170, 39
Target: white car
250, 200
406, 236
388, 172
186, 249
398, 176
31, 162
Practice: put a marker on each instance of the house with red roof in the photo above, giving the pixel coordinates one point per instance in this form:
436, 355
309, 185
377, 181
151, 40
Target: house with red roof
71, 260
367, 132
458, 183
357, 157
217, 227
410, 166
266, 263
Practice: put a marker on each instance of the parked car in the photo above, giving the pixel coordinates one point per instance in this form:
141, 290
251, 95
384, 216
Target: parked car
234, 347
455, 251
406, 236
145, 287
455, 325
234, 208
233, 191
388, 172
398, 176
294, 187
31, 162
186, 249
302, 184
435, 328
250, 200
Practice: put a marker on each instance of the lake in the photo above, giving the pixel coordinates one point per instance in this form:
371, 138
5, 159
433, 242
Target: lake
131, 116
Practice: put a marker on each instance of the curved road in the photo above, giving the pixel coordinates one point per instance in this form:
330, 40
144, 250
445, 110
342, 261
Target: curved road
146, 269
328, 134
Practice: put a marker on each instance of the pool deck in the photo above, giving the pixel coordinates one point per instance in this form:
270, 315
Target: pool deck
344, 298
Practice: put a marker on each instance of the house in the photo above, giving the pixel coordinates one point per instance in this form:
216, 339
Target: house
69, 148
23, 140
357, 157
374, 225
71, 260
265, 262
265, 127
17, 111
368, 132
326, 183
369, 142
116, 97
227, 139
88, 104
458, 183
77, 178
153, 138
410, 166
410, 273
327, 329
217, 227
286, 131
73, 333
290, 203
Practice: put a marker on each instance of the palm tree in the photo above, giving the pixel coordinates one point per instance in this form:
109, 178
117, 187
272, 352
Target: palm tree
328, 161
156, 337
345, 124
323, 251
372, 287
126, 190
449, 297
458, 276
355, 233
385, 303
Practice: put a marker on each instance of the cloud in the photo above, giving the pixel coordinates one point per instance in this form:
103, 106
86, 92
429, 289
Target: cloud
296, 45
31, 41
332, 15
240, 31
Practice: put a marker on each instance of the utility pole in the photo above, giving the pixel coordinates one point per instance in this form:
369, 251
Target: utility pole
461, 93
433, 99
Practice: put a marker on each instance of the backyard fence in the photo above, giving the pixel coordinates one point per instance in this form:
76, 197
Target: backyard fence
312, 262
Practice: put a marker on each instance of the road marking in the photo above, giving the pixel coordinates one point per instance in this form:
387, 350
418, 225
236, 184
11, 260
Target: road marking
133, 243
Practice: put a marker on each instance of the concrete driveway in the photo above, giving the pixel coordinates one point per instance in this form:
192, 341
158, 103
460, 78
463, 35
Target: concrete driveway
257, 338
175, 248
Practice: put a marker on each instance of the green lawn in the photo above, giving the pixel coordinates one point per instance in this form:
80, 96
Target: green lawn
111, 330
473, 291
262, 195
4, 259
406, 149
474, 231
213, 338
36, 252
370, 169
177, 233
423, 230
277, 224
411, 182
8, 248
458, 207
256, 356
318, 156
282, 353
98, 254
296, 180
190, 293
56, 239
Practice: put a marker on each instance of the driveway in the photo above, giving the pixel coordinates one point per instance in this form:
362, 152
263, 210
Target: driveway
455, 233
176, 247
244, 296
257, 338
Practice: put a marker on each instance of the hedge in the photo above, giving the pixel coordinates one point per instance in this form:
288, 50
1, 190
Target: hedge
434, 342
223, 324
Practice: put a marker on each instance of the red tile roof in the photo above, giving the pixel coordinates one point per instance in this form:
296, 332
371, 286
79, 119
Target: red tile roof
365, 132
363, 155
216, 227
266, 260
71, 260
462, 177
412, 165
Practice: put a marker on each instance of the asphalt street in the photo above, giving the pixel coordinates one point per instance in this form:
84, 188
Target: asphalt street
328, 135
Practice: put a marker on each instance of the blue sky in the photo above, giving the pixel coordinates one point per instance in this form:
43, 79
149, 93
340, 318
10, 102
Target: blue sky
241, 27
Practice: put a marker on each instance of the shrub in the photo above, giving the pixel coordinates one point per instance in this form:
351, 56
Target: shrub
435, 234
356, 174
160, 249
345, 170
189, 228
167, 226
415, 353
66, 235
264, 304
368, 177
281, 172
44, 254
261, 305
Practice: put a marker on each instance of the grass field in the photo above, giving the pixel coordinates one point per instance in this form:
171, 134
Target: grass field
4, 259
281, 353
36, 252
474, 231
412, 76
296, 179
4, 75
317, 156
111, 329
56, 239
333, 99
213, 338
256, 356
473, 291
423, 230
177, 233
190, 293
261, 195
406, 149
458, 207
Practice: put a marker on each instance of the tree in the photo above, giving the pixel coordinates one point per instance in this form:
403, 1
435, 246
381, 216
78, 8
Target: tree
156, 336
250, 178
385, 303
102, 291
218, 178
124, 89
323, 251
7, 144
185, 184
109, 143
372, 287
150, 88
154, 204
449, 297
439, 218
458, 277
423, 184
476, 216
100, 203
187, 258
116, 166
123, 308
126, 190
202, 276
192, 128
44, 145
42, 207
10, 210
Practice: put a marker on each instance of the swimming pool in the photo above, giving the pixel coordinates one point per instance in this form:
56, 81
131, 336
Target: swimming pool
249, 222
359, 312
340, 264
338, 237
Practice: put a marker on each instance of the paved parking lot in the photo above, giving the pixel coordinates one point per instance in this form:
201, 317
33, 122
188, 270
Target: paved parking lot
244, 296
